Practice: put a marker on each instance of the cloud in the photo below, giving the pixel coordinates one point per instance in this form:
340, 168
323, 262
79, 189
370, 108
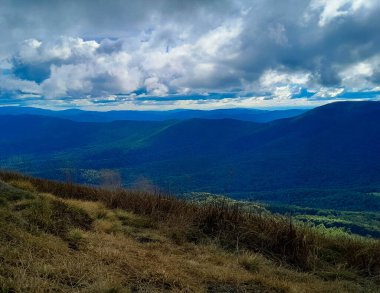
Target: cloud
96, 77
69, 51
331, 9
155, 88
14, 85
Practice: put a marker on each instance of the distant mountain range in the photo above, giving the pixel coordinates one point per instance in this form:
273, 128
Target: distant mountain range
307, 159
96, 116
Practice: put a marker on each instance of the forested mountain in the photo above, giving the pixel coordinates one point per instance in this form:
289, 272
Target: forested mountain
331, 147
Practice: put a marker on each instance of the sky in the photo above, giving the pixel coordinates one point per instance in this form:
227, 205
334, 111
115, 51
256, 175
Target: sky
170, 54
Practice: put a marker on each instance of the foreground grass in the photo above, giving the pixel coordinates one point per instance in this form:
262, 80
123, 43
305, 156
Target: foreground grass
75, 238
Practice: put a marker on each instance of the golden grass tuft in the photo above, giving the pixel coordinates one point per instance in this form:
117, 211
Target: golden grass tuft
23, 184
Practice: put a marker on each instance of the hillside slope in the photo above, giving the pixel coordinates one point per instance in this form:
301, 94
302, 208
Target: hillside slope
71, 240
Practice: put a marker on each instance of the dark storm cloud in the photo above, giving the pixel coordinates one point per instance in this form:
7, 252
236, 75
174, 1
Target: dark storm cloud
98, 18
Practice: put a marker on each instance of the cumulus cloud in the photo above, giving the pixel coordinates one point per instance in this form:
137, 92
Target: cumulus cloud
10, 84
98, 76
155, 88
83, 53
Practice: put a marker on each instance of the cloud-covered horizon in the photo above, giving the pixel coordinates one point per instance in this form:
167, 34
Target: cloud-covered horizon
168, 54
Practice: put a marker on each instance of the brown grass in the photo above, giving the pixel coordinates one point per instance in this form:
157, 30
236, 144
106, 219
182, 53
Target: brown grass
227, 226
125, 252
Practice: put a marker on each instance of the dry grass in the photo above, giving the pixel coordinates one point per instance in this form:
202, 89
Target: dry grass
93, 240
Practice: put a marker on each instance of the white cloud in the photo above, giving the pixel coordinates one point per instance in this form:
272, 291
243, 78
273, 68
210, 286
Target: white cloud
221, 42
12, 84
357, 76
283, 93
78, 67
331, 9
101, 74
274, 77
68, 78
32, 50
329, 92
155, 88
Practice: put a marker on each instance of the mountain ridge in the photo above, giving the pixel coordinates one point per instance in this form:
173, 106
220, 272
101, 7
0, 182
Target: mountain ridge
245, 114
334, 146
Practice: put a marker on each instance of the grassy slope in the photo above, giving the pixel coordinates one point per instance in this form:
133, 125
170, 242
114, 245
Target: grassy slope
58, 242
